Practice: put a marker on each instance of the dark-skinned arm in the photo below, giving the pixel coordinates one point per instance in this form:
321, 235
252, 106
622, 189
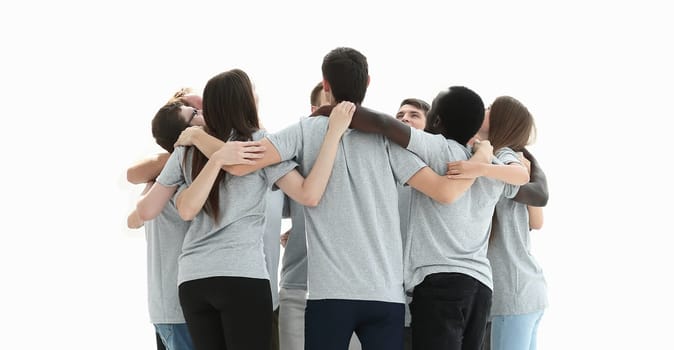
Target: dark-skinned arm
371, 121
534, 193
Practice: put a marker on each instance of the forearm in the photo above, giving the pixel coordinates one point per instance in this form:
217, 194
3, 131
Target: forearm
439, 188
147, 169
371, 121
315, 183
134, 221
534, 193
514, 174
535, 217
191, 200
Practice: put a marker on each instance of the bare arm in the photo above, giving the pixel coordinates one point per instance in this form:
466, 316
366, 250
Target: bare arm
309, 191
443, 189
152, 203
371, 121
251, 155
134, 221
534, 193
147, 170
535, 217
191, 200
513, 173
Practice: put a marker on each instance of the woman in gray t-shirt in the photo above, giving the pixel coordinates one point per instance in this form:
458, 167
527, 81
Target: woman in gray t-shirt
223, 282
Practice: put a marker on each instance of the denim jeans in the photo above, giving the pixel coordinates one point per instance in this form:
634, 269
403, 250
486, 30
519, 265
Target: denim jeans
515, 332
174, 336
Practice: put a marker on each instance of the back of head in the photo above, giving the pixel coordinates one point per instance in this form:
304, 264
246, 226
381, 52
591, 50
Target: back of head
510, 124
167, 125
316, 95
229, 105
346, 71
456, 113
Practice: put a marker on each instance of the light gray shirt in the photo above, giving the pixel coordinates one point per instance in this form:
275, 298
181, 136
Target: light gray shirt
164, 235
272, 244
453, 237
233, 245
354, 247
519, 284
294, 264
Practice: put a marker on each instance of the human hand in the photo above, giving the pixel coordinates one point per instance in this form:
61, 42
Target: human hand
284, 238
239, 152
340, 117
483, 149
464, 169
526, 162
186, 137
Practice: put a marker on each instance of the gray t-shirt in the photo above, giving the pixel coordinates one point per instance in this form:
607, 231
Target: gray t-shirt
233, 245
404, 205
454, 237
354, 248
294, 264
164, 235
519, 284
272, 245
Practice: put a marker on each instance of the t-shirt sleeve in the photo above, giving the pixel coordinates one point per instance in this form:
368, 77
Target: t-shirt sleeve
288, 142
172, 173
507, 156
403, 162
423, 144
274, 172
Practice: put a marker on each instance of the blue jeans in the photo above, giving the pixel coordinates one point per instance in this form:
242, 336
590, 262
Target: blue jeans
515, 332
174, 336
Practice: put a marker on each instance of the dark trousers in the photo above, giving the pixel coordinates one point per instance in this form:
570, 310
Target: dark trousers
229, 313
274, 331
449, 311
407, 342
329, 324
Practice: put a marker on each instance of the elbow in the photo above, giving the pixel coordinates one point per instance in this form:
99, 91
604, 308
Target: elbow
186, 213
145, 214
536, 226
237, 170
446, 199
310, 201
132, 177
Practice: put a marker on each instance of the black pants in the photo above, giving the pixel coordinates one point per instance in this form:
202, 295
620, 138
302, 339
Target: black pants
229, 313
160, 343
449, 311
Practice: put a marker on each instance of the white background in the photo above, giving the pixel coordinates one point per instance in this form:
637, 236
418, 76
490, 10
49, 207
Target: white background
80, 82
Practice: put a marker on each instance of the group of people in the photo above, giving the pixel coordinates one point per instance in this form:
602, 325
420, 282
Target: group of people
407, 232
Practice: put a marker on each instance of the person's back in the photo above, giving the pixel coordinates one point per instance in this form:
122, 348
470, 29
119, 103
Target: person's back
354, 245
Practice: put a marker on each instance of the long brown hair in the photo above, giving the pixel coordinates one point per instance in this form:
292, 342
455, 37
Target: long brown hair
230, 113
510, 124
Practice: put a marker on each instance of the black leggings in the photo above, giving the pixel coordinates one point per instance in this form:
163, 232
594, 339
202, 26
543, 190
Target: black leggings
227, 312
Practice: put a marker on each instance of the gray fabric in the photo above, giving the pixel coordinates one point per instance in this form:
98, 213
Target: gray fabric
233, 245
454, 237
272, 244
164, 235
294, 264
353, 235
404, 205
519, 284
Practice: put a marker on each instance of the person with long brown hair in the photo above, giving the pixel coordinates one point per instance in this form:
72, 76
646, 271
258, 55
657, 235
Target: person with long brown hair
223, 282
520, 290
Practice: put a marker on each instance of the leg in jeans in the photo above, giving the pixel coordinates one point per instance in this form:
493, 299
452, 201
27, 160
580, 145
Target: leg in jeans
175, 336
329, 324
515, 332
291, 318
442, 310
160, 343
380, 325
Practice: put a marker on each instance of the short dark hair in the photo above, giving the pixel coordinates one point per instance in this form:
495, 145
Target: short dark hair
346, 71
418, 103
167, 125
316, 94
456, 113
